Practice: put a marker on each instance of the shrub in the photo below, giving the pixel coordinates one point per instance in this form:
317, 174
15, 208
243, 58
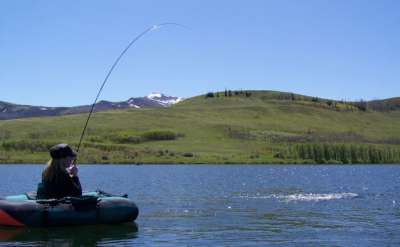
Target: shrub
279, 155
361, 105
125, 138
95, 139
32, 146
187, 155
210, 95
159, 135
334, 162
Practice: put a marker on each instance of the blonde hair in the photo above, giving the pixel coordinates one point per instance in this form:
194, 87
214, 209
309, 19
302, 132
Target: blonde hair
53, 170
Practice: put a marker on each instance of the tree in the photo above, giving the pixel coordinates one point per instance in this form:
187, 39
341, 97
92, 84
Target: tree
210, 95
318, 153
361, 105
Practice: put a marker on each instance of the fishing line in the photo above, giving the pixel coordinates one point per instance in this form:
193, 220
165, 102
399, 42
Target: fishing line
150, 29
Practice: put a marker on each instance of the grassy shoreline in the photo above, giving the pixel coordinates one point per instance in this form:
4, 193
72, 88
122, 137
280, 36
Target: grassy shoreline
216, 164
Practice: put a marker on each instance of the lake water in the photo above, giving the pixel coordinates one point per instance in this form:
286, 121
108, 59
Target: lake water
247, 205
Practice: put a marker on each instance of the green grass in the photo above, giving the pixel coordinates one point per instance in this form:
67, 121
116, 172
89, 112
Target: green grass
235, 129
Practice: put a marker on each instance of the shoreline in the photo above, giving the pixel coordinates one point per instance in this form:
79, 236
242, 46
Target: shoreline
216, 164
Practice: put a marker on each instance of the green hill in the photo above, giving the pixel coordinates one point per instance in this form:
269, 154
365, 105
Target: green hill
224, 127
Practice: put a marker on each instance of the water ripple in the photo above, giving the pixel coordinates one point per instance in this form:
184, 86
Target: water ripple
306, 197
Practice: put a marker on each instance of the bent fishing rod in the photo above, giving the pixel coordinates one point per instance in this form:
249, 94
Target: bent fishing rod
152, 28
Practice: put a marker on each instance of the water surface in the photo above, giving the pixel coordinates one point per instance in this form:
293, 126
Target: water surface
246, 205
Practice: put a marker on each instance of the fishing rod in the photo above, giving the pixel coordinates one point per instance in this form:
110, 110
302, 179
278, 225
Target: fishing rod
147, 30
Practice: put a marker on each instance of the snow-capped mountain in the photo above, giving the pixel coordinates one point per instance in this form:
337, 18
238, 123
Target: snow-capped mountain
153, 100
163, 99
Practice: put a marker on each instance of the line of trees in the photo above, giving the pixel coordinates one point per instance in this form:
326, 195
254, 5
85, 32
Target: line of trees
361, 105
228, 93
342, 153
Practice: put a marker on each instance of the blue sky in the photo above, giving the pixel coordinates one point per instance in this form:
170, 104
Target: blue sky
56, 53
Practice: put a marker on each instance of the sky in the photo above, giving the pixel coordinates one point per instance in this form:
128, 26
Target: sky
57, 53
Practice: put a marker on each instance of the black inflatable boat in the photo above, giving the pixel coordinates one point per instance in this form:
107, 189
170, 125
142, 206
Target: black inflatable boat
91, 208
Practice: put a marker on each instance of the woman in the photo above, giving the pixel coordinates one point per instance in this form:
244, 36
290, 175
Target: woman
60, 177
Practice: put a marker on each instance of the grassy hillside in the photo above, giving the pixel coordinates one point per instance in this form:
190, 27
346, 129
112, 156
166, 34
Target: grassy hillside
241, 127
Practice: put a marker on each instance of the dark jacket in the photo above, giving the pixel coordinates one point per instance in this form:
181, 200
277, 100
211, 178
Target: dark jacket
66, 186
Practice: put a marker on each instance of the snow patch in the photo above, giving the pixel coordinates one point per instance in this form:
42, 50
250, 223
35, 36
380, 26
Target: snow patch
178, 100
154, 95
163, 99
133, 105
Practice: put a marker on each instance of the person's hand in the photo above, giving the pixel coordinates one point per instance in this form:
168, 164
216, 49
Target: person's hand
73, 170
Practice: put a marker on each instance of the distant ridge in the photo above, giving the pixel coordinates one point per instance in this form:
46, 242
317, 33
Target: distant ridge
153, 100
159, 100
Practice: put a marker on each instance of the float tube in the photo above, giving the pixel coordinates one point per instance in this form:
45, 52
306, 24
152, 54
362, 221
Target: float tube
90, 208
